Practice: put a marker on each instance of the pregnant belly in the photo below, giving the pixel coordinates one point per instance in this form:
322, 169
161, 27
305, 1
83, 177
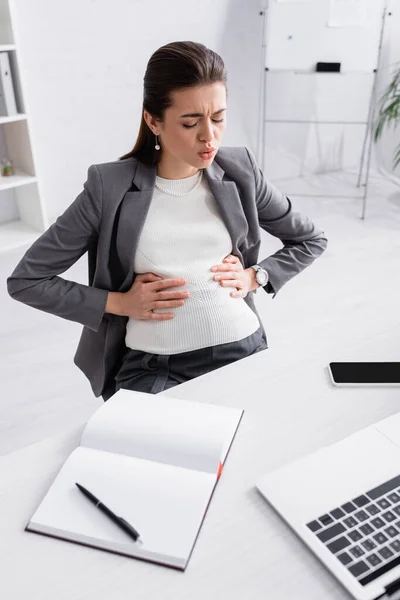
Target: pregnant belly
209, 296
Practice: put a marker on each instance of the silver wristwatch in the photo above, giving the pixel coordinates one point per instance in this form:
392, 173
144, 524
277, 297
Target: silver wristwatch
261, 275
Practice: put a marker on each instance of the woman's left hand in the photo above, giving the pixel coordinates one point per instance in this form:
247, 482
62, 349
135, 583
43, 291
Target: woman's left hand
232, 274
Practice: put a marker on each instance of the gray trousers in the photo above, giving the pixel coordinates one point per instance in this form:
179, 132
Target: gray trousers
154, 373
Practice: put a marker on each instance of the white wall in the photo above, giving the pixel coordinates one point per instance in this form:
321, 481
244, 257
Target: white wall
82, 66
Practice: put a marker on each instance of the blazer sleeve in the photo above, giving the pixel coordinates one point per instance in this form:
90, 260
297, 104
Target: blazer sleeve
35, 279
302, 241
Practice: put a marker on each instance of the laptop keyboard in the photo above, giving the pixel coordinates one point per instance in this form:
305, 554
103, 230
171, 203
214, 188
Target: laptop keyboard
364, 533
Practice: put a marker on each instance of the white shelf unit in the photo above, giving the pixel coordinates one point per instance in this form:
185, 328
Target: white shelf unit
22, 213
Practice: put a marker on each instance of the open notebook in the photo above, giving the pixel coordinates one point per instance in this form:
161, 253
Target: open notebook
151, 459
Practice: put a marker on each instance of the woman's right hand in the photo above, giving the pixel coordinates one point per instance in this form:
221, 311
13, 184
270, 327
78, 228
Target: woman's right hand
148, 293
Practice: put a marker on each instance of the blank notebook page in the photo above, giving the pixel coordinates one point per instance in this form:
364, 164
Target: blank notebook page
165, 504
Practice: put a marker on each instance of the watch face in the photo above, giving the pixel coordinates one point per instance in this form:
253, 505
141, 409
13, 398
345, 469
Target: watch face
262, 277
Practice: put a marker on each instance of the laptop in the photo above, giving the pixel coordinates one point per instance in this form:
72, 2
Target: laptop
343, 501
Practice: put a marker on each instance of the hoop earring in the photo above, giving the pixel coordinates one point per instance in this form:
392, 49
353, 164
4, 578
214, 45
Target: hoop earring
157, 146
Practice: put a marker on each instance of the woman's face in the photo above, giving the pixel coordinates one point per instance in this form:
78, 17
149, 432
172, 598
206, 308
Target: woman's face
193, 124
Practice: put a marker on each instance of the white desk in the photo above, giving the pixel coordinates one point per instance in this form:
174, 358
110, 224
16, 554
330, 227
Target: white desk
244, 550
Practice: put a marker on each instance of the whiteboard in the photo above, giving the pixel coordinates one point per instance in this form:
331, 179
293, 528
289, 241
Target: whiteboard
298, 36
306, 97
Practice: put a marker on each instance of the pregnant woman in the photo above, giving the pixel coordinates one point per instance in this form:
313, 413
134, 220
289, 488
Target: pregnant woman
172, 232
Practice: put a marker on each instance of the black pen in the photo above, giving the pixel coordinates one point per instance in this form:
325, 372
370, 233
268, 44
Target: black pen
117, 520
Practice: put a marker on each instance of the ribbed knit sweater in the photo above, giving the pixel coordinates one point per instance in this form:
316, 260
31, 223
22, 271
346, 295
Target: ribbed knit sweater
184, 236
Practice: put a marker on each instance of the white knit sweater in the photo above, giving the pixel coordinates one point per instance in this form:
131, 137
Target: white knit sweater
184, 236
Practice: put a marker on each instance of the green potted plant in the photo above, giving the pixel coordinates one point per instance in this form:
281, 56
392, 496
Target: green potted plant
389, 112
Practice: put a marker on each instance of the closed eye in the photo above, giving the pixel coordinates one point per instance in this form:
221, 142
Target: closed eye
190, 126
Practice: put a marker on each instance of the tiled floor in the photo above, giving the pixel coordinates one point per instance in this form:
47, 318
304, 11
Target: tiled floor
351, 292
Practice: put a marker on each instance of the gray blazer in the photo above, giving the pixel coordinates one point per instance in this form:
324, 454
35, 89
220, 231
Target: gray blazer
106, 220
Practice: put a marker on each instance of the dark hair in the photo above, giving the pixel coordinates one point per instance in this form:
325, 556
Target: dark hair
174, 66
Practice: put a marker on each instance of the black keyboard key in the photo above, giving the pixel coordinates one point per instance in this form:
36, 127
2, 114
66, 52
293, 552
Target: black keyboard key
380, 537
337, 513
344, 558
366, 529
358, 568
374, 560
373, 509
389, 516
314, 525
325, 519
357, 551
391, 531
385, 552
395, 545
384, 504
396, 509
338, 544
349, 507
355, 535
361, 501
394, 497
378, 522
388, 566
350, 522
361, 515
368, 545
384, 488
331, 532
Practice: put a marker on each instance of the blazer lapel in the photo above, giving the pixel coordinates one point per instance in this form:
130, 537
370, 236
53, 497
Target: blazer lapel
230, 206
134, 209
